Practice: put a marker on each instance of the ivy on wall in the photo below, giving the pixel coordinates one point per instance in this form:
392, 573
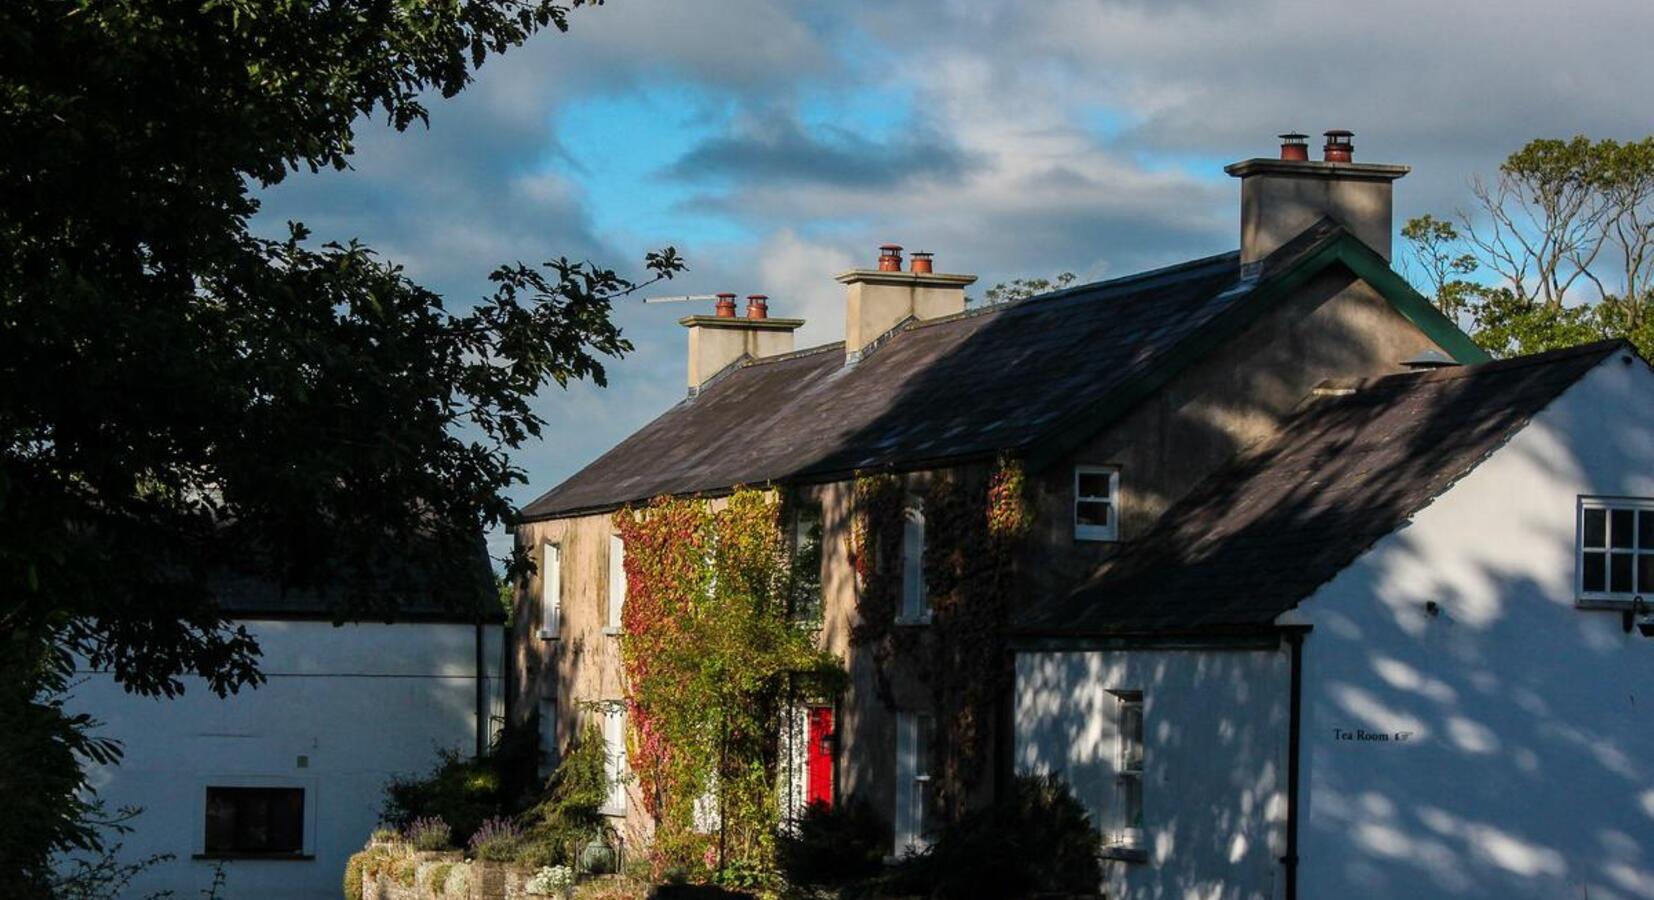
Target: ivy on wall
711, 662
975, 524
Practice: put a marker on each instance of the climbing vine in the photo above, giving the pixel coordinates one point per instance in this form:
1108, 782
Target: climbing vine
711, 662
975, 524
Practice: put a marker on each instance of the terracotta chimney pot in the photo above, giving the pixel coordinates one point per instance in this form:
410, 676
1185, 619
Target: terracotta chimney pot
757, 307
1338, 147
890, 257
725, 308
923, 262
1295, 146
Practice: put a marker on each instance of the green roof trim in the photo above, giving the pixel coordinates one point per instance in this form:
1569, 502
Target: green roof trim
1340, 248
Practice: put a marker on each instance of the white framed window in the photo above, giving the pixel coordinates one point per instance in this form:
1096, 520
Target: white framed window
548, 733
1096, 503
617, 583
1615, 550
915, 790
551, 591
1128, 822
614, 757
915, 604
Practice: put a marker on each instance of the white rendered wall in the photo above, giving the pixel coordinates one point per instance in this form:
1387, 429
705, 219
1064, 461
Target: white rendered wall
1215, 736
361, 703
1527, 768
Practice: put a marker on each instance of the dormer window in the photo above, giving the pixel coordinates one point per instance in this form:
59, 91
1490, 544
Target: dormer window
1096, 503
1615, 550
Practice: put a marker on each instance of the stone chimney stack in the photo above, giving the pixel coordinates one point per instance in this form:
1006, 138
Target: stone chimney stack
718, 341
880, 299
1280, 198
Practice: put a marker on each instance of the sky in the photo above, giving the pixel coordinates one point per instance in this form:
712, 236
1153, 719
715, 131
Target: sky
778, 143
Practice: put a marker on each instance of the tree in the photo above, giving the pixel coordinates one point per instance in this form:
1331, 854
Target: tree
1625, 175
1433, 242
181, 402
1544, 217
1021, 288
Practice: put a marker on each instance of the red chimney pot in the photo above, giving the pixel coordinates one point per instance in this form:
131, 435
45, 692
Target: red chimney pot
1295, 146
1338, 147
757, 308
922, 262
890, 257
726, 306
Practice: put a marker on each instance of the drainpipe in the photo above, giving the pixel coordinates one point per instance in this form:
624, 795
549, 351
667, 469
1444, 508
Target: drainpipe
1295, 640
482, 691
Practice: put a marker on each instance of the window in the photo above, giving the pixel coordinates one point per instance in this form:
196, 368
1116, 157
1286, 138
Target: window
1616, 549
551, 591
805, 604
547, 722
255, 821
614, 757
1096, 503
1128, 831
915, 794
915, 605
617, 582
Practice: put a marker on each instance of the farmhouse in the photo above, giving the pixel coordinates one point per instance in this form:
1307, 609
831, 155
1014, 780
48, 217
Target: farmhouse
1299, 565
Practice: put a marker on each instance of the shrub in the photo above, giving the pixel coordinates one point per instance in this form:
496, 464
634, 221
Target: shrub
439, 877
384, 835
461, 792
551, 880
1040, 841
405, 871
366, 864
498, 840
834, 844
568, 817
429, 833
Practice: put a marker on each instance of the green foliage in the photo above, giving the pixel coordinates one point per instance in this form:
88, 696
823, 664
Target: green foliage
1040, 841
834, 844
1434, 244
439, 877
711, 660
1020, 288
460, 791
404, 871
568, 817
356, 869
137, 135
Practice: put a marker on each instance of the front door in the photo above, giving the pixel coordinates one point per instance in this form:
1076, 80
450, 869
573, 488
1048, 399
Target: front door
818, 764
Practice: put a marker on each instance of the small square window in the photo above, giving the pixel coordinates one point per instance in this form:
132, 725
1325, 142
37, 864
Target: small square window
1096, 502
1615, 549
256, 821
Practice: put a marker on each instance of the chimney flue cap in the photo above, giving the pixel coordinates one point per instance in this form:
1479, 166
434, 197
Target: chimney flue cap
890, 257
1339, 147
725, 308
1294, 146
923, 262
757, 306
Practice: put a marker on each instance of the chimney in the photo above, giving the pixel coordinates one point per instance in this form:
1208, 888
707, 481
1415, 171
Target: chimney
1280, 198
880, 299
723, 338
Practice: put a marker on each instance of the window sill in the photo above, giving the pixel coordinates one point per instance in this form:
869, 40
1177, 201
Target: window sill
1098, 537
1622, 604
1121, 853
613, 631
546, 634
251, 855
912, 623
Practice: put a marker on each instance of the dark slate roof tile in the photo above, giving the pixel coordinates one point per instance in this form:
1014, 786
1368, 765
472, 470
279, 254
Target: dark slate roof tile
1263, 533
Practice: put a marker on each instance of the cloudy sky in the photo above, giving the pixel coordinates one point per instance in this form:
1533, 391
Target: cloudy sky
777, 143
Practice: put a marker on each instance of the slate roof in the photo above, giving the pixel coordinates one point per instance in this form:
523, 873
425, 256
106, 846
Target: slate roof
965, 386
1261, 534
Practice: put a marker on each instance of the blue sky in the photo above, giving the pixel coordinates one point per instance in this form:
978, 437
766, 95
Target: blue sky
776, 143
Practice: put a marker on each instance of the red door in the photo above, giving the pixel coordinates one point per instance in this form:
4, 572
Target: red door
818, 765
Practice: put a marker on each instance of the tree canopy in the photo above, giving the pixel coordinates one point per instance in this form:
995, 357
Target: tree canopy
181, 400
1566, 229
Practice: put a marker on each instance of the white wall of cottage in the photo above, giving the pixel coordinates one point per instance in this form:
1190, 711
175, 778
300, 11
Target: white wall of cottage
1527, 768
344, 709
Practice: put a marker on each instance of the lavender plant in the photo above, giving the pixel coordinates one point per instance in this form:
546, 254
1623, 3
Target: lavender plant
429, 833
498, 839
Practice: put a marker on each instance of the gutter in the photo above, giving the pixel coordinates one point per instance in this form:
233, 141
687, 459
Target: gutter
1295, 717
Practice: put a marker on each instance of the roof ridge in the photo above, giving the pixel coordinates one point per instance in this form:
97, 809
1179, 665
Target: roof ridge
792, 354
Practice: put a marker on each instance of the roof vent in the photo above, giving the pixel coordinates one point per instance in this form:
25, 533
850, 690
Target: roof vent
1338, 147
1430, 359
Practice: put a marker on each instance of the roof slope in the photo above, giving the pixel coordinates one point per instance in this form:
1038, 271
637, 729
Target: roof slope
984, 381
1264, 532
